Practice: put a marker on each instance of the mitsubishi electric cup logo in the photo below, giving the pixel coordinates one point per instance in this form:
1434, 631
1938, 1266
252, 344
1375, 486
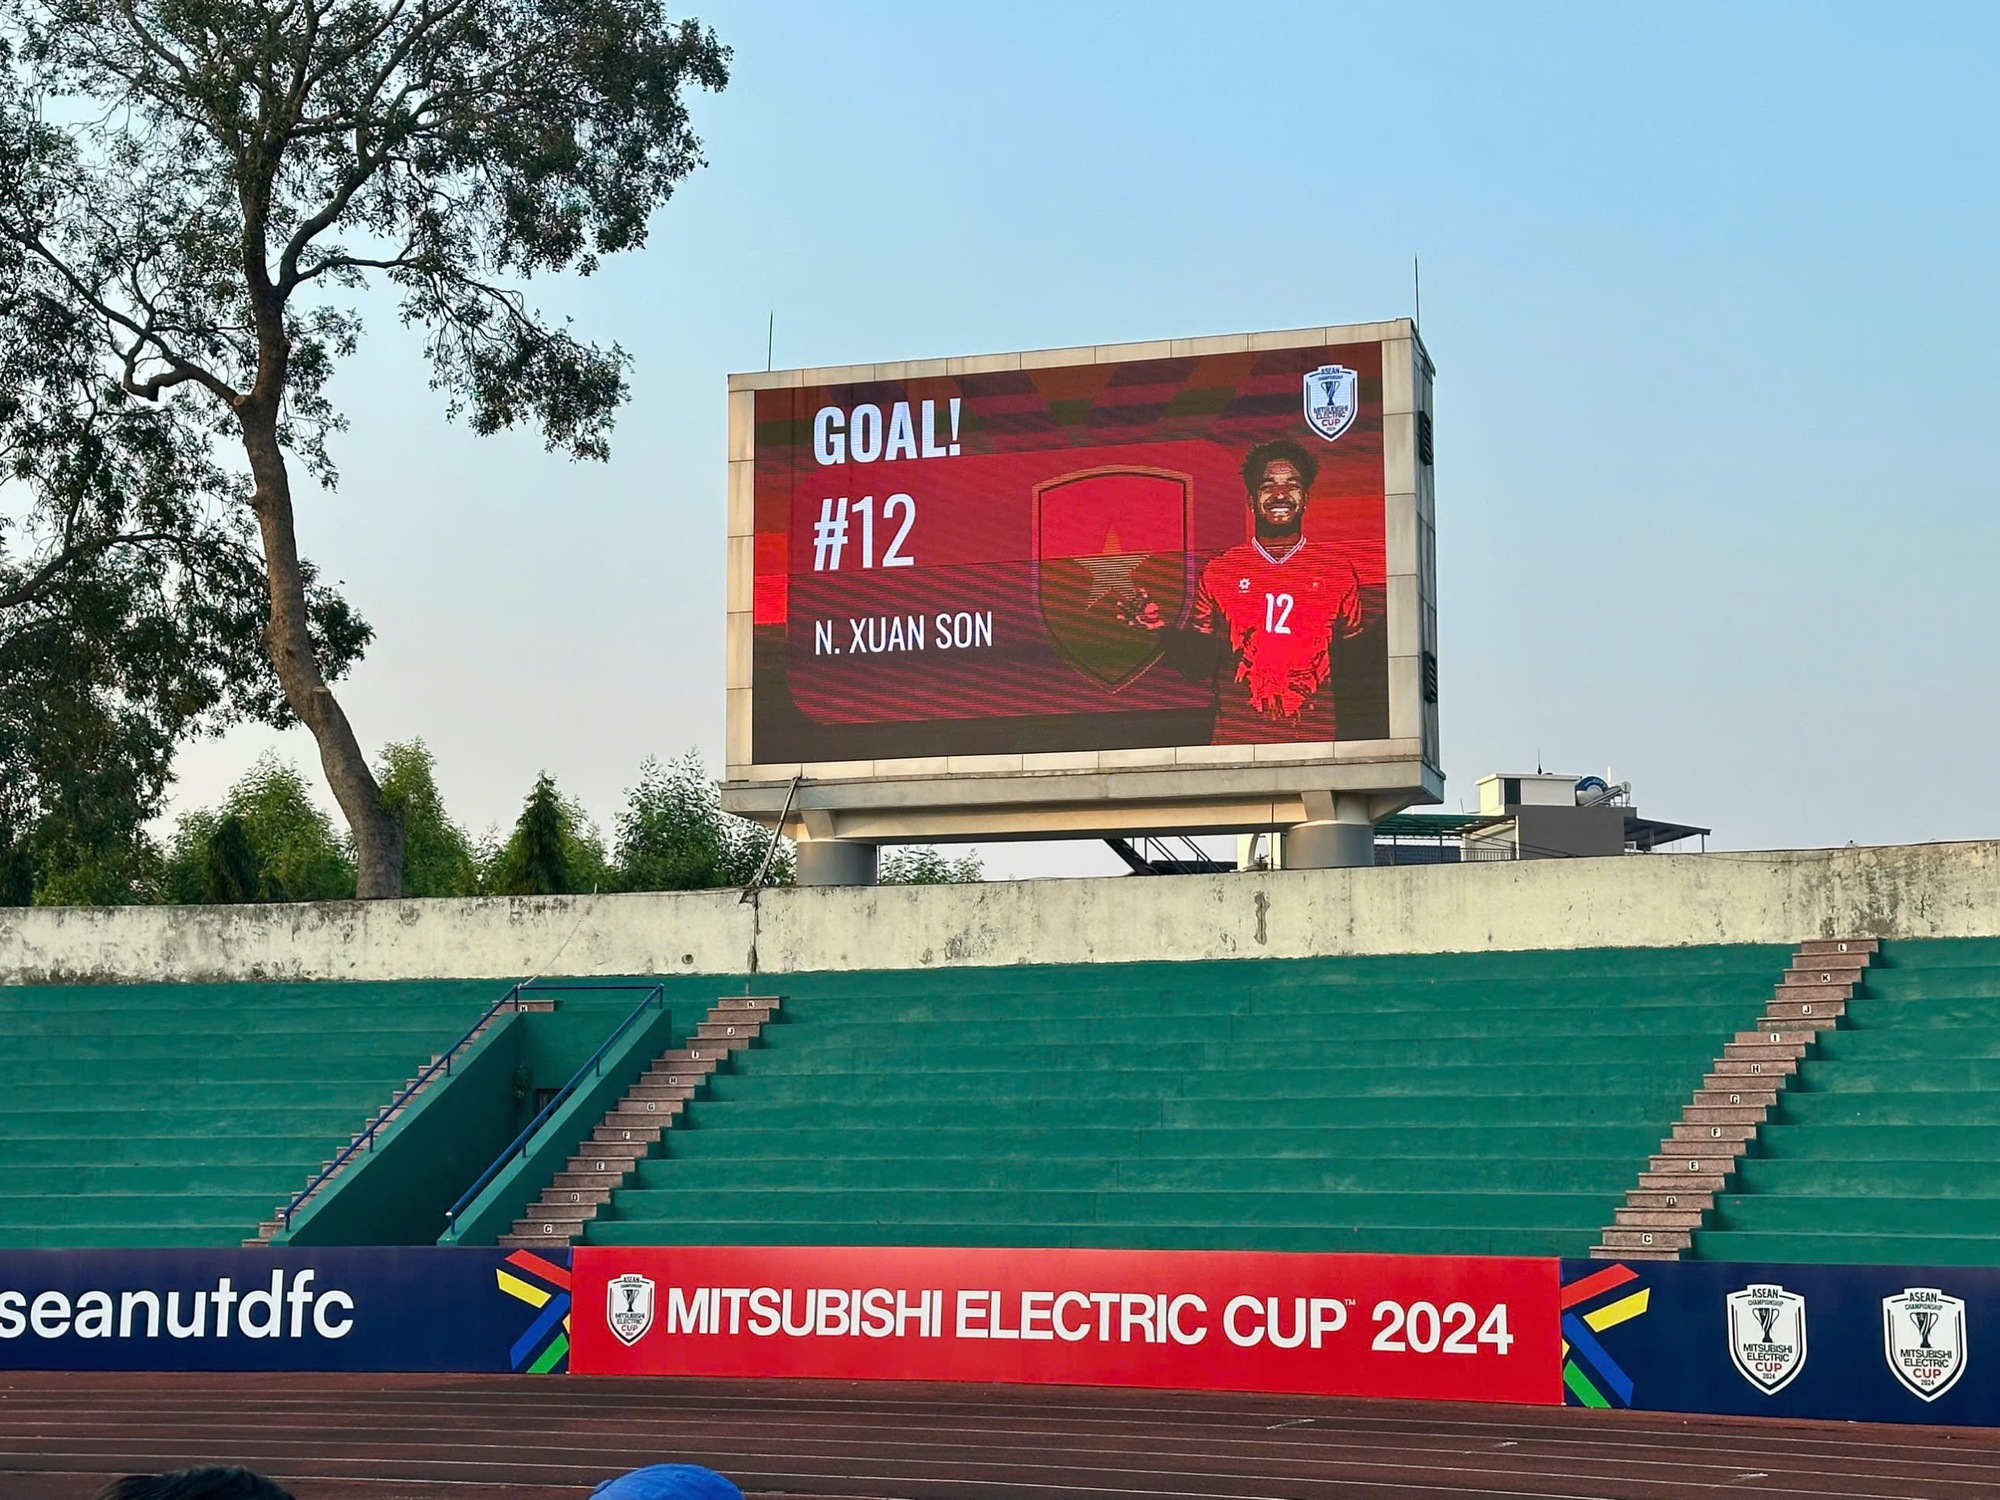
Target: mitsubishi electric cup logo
1923, 1333
628, 1307
1767, 1335
1333, 397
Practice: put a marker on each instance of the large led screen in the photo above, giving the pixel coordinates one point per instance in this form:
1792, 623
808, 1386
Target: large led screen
1159, 552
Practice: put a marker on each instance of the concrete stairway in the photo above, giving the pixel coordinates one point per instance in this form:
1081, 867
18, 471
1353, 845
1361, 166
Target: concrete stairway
635, 1124
1885, 1149
411, 1091
1717, 1127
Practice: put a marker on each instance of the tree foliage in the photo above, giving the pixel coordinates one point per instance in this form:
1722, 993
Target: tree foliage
131, 604
229, 868
674, 836
920, 864
438, 858
295, 853
554, 849
223, 176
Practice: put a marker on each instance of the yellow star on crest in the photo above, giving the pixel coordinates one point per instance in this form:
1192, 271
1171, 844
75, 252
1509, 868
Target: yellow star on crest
1111, 571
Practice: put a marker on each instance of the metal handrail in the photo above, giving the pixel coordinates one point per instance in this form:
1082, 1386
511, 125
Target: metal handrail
441, 1063
777, 831
593, 1066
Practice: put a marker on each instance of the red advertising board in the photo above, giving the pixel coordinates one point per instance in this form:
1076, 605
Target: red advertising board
1439, 1327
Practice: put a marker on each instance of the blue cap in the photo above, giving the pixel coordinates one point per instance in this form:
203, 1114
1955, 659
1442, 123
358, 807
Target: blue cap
668, 1482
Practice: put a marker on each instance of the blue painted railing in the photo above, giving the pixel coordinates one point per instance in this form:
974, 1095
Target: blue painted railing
656, 996
366, 1140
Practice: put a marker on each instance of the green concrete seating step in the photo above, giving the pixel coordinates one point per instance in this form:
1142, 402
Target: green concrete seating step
151, 1236
1886, 1147
1461, 1103
176, 1175
1856, 1213
1354, 1239
1047, 1170
1945, 987
1906, 1075
1131, 1206
203, 1066
1944, 1142
927, 1114
1470, 999
1562, 1080
109, 1209
1830, 1248
1885, 1107
885, 1037
785, 1059
212, 1094
182, 1115
1917, 1039
153, 1152
1878, 1177
846, 1141
139, 1117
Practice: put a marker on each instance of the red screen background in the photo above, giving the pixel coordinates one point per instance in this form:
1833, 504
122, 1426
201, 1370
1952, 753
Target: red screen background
974, 549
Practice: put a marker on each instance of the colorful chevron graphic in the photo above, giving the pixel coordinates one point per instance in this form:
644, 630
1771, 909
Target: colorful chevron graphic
1591, 1377
543, 1283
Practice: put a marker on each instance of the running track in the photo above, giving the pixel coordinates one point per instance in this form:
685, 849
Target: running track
430, 1437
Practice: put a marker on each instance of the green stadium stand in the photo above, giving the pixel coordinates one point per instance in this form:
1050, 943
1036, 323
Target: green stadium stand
1457, 1104
183, 1115
1886, 1147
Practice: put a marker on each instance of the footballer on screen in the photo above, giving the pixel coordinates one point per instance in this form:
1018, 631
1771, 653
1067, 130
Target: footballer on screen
1267, 612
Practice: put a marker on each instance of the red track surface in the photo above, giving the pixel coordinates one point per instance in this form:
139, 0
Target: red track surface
428, 1437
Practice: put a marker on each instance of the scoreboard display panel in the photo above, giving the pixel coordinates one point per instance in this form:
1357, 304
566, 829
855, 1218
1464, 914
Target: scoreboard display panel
1047, 556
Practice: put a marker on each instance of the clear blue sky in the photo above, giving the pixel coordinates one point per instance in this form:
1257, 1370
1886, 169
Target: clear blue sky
1711, 291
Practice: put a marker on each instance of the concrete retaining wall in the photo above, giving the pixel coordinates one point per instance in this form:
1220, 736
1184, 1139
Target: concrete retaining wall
1922, 890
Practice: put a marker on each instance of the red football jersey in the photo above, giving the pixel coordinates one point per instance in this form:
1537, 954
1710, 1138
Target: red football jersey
1283, 613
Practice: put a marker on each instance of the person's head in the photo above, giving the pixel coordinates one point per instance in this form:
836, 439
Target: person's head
668, 1482
210, 1483
1278, 479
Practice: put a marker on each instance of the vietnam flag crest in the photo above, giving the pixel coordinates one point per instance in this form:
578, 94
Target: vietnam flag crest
1108, 541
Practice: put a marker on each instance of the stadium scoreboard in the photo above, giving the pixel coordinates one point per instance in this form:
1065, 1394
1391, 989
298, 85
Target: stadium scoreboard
1175, 586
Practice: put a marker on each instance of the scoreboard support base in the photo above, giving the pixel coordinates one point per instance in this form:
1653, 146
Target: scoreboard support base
835, 862
1328, 846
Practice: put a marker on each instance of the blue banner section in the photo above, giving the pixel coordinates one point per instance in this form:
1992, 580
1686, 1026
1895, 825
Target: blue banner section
1854, 1343
371, 1309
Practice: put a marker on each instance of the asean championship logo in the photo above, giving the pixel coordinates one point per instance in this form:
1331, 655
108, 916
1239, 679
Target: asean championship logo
1333, 398
628, 1307
1923, 1336
1767, 1335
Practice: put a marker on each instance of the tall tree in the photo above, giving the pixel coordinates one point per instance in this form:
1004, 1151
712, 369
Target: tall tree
674, 836
229, 873
131, 606
268, 842
223, 175
437, 855
554, 849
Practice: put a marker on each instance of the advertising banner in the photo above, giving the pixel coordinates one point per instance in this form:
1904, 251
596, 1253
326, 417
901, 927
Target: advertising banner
1449, 1328
371, 1309
1856, 1343
1150, 552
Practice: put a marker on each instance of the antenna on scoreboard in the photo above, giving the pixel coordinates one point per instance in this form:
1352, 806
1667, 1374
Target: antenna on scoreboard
770, 338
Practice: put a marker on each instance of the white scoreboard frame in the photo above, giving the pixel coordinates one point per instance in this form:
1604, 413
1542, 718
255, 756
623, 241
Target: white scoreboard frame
1105, 793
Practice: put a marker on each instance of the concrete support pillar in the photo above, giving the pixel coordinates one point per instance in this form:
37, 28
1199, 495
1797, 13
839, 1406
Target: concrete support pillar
1341, 836
834, 862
